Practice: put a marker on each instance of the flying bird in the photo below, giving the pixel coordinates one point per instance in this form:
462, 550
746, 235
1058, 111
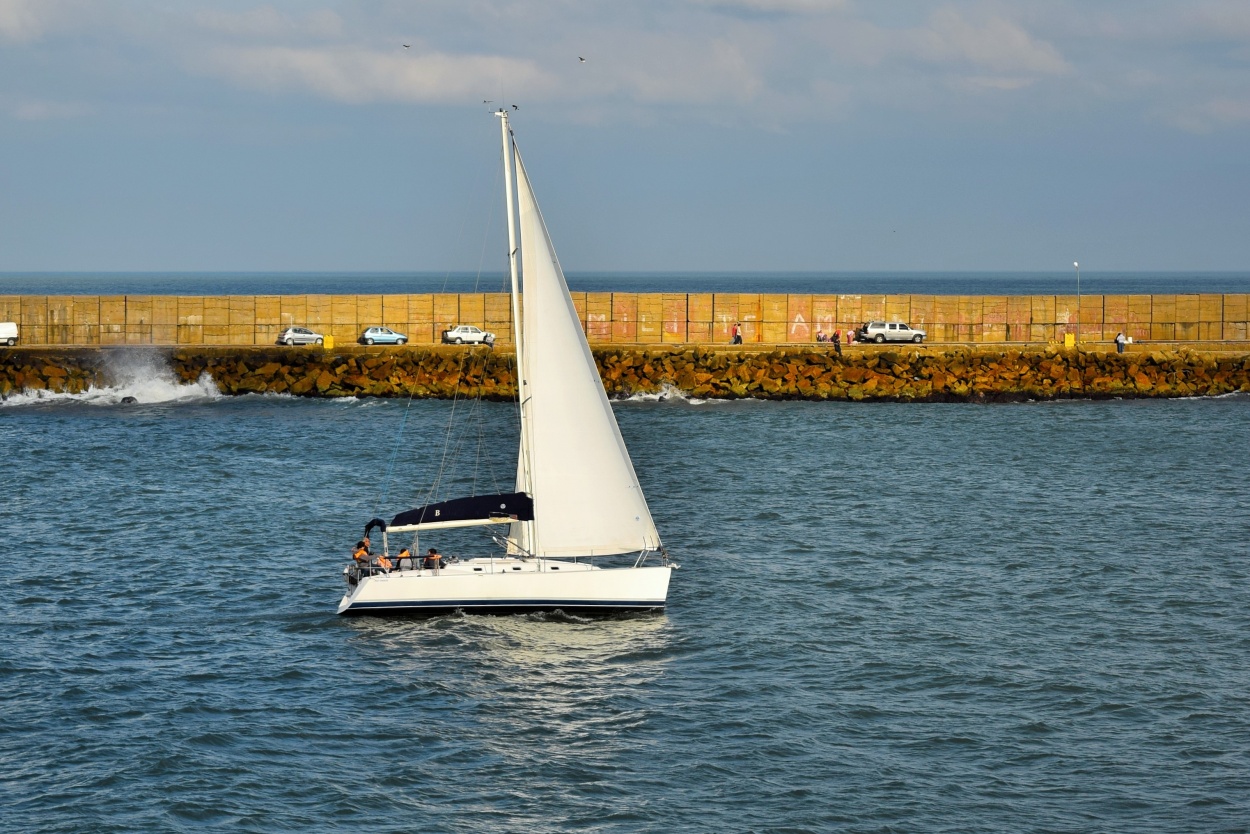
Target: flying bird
407, 46
514, 107
580, 58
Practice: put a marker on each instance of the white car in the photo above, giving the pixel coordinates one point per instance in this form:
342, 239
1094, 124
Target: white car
893, 331
300, 336
467, 334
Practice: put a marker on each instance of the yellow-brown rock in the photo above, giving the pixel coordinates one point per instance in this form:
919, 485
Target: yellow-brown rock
916, 374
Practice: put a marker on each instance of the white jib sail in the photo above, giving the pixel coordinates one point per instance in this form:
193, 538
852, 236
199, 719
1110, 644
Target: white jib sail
587, 500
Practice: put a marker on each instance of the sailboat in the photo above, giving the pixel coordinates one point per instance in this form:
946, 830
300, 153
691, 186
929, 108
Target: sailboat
579, 537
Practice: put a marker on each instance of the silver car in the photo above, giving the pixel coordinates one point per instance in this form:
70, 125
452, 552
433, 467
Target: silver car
889, 331
468, 334
300, 336
382, 336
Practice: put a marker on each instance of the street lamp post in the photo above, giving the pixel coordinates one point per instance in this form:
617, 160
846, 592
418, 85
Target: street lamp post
1077, 266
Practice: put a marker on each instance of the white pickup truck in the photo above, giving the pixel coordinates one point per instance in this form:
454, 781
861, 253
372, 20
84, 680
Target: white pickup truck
893, 331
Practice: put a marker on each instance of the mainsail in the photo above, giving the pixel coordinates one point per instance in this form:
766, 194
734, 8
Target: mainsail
587, 499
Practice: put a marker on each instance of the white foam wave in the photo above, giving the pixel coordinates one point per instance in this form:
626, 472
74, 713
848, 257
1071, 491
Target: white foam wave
137, 379
669, 393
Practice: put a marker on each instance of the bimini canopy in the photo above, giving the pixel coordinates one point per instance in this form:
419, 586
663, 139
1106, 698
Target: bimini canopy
466, 512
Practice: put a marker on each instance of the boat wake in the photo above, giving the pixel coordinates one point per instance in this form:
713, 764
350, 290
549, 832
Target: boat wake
132, 379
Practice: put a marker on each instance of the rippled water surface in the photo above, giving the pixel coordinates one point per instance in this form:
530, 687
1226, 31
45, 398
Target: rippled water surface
889, 618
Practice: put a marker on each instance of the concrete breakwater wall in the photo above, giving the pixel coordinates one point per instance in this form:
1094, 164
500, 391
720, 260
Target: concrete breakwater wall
902, 374
627, 318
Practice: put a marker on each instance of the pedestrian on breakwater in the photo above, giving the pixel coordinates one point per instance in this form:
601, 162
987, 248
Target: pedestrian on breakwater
837, 341
1119, 342
736, 332
820, 336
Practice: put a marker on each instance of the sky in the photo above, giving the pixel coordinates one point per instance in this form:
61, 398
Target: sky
696, 135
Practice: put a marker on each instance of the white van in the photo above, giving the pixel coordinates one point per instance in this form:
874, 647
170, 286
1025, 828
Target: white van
8, 333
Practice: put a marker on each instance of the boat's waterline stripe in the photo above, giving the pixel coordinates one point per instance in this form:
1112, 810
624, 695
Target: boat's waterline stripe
507, 603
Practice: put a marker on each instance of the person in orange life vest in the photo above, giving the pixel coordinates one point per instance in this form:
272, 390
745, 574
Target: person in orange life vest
363, 557
433, 560
404, 554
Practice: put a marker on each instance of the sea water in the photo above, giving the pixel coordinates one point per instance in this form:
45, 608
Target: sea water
1055, 282
888, 617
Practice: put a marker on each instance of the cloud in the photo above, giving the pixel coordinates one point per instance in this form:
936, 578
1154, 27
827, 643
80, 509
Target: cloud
22, 20
778, 63
1210, 115
268, 22
1214, 21
355, 75
799, 7
996, 45
41, 111
674, 69
993, 82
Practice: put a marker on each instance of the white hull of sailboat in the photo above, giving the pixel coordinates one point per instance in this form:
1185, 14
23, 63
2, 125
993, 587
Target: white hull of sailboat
503, 586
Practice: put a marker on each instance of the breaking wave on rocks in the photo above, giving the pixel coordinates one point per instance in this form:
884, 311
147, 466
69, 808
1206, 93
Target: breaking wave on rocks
668, 393
129, 379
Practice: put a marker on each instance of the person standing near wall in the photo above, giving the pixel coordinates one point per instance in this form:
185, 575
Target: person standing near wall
736, 333
1119, 342
837, 341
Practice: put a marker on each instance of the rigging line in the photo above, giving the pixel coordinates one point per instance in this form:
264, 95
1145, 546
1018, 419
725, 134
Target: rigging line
390, 467
474, 425
486, 231
481, 433
476, 376
464, 225
447, 436
399, 439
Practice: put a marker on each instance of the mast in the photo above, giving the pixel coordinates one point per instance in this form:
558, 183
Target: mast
524, 476
512, 247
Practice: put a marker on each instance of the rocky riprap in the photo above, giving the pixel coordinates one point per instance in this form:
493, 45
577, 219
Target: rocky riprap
925, 374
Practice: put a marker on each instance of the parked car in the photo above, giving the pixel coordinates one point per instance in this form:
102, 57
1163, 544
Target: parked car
467, 334
300, 336
889, 331
8, 333
383, 336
